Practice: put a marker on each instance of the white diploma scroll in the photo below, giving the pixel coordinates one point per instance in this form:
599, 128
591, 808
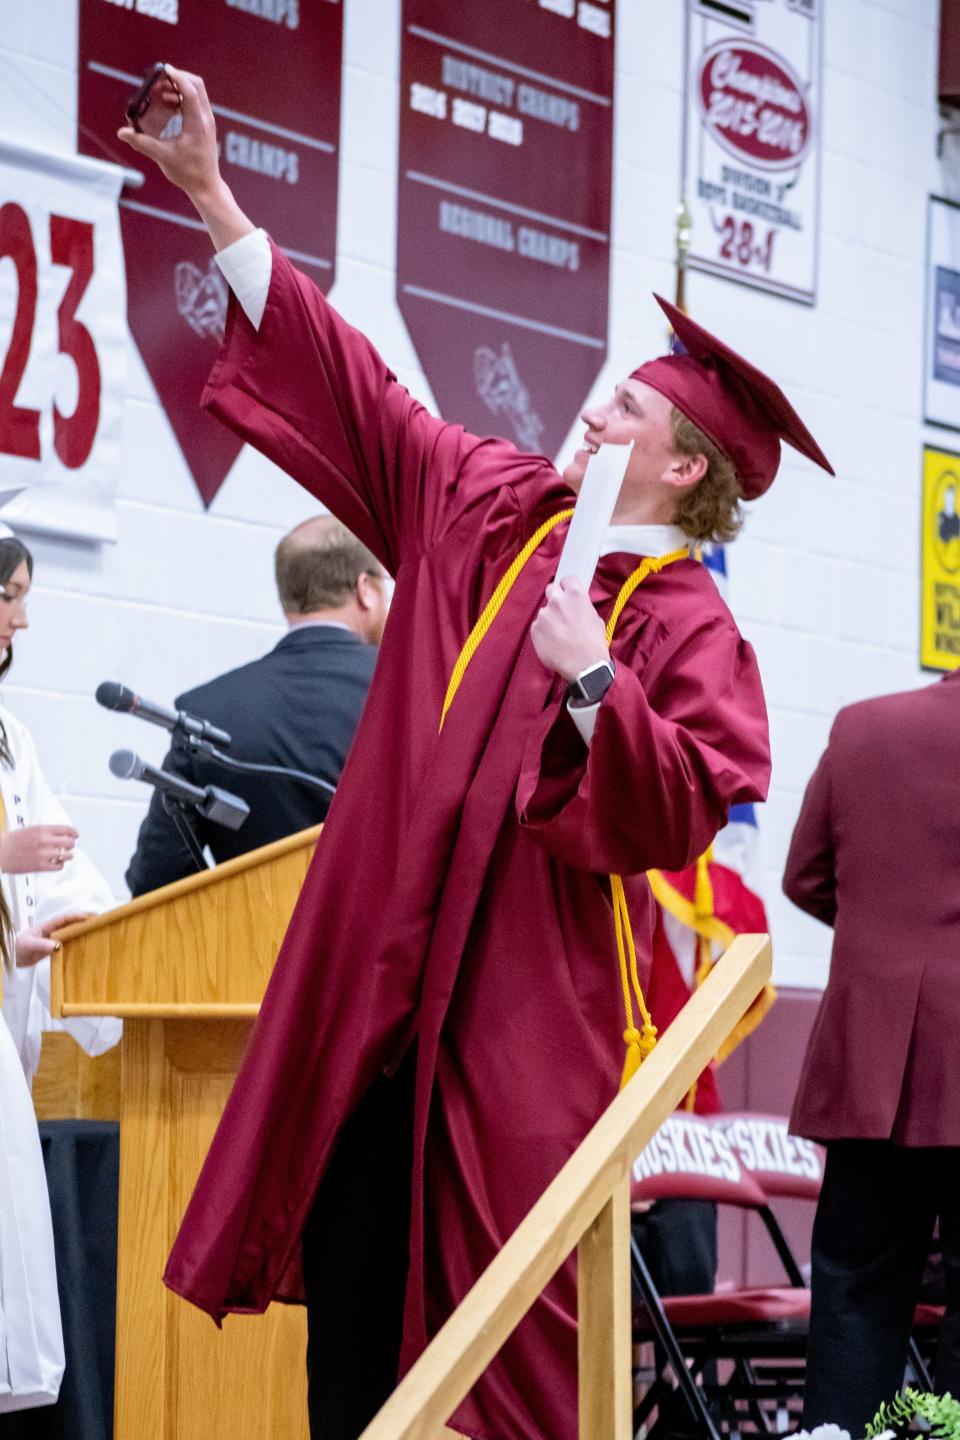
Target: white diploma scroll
593, 512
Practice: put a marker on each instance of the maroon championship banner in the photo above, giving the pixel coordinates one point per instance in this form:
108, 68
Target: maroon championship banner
273, 74
503, 234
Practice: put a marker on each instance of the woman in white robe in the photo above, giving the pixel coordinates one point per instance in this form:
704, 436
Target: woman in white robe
46, 881
31, 1340
39, 896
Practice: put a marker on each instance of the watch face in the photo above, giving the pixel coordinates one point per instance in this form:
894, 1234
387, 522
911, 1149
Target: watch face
595, 683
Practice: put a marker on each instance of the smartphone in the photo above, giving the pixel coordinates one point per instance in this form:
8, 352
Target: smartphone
143, 100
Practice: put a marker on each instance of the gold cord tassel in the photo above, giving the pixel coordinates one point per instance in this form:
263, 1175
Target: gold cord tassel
640, 1042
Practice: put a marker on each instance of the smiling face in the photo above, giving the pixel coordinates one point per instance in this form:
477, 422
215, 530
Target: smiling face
639, 416
13, 610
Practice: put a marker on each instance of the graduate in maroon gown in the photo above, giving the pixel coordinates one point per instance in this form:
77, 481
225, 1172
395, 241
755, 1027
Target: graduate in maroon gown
446, 1019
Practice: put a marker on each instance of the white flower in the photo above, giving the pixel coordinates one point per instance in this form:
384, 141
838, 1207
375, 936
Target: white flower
828, 1432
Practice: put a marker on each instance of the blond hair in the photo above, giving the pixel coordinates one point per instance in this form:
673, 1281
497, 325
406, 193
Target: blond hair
711, 509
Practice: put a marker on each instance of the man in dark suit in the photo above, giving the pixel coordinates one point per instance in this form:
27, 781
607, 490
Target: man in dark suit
876, 854
298, 706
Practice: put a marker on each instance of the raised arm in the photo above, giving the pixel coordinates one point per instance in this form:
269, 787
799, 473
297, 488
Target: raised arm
312, 393
190, 160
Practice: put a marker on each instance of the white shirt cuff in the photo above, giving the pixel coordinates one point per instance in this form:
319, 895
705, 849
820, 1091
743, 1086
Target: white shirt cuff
585, 719
247, 265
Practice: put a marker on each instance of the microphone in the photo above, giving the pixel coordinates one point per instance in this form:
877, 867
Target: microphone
214, 804
119, 697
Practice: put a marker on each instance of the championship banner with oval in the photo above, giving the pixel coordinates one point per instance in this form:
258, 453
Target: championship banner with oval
503, 225
751, 142
272, 70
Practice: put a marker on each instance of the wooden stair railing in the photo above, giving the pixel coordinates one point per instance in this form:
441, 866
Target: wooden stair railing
587, 1206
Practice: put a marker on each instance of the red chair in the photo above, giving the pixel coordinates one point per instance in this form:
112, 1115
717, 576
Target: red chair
785, 1167
736, 1357
781, 1163
707, 1348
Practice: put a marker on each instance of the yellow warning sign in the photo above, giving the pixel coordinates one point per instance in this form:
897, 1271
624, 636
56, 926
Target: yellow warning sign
940, 562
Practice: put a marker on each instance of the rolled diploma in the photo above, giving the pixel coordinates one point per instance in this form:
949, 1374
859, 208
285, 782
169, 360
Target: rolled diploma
593, 512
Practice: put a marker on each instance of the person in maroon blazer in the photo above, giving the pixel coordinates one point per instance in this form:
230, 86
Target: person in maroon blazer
876, 855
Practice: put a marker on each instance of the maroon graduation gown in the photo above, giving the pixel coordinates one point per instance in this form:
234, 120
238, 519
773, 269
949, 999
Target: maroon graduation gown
459, 888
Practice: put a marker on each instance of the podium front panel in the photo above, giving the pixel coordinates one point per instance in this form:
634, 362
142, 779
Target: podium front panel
178, 1376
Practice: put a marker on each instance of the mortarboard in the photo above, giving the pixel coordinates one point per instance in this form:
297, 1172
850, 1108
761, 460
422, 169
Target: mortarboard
741, 410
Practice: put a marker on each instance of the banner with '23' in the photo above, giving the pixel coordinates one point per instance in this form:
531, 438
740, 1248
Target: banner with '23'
62, 342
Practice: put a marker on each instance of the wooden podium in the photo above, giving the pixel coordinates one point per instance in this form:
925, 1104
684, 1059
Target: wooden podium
186, 968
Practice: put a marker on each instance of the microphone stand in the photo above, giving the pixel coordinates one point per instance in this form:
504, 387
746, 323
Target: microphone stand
177, 811
195, 742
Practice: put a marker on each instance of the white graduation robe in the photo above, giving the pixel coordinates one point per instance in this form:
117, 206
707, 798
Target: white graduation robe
34, 899
31, 1339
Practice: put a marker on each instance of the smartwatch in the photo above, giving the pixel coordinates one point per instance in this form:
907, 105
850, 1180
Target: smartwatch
592, 684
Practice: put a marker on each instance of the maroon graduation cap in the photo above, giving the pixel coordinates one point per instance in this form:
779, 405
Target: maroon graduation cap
742, 411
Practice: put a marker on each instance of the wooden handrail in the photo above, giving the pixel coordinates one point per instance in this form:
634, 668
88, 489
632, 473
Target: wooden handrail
585, 1203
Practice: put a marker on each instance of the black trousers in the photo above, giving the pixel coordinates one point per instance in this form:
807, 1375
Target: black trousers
875, 1221
355, 1261
678, 1241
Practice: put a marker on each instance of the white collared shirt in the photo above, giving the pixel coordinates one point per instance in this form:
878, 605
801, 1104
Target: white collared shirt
293, 625
247, 265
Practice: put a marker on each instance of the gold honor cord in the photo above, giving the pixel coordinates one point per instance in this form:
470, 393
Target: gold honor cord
640, 1042
651, 566
492, 607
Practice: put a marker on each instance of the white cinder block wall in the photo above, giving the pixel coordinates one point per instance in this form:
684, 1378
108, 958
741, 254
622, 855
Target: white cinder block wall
825, 579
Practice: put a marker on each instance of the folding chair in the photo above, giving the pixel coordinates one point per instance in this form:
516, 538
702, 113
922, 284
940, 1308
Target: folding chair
707, 1348
930, 1311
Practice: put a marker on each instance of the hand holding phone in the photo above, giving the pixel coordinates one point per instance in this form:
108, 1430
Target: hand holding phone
189, 159
186, 153
151, 108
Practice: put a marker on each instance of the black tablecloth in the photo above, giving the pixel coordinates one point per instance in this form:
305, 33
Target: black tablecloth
82, 1159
